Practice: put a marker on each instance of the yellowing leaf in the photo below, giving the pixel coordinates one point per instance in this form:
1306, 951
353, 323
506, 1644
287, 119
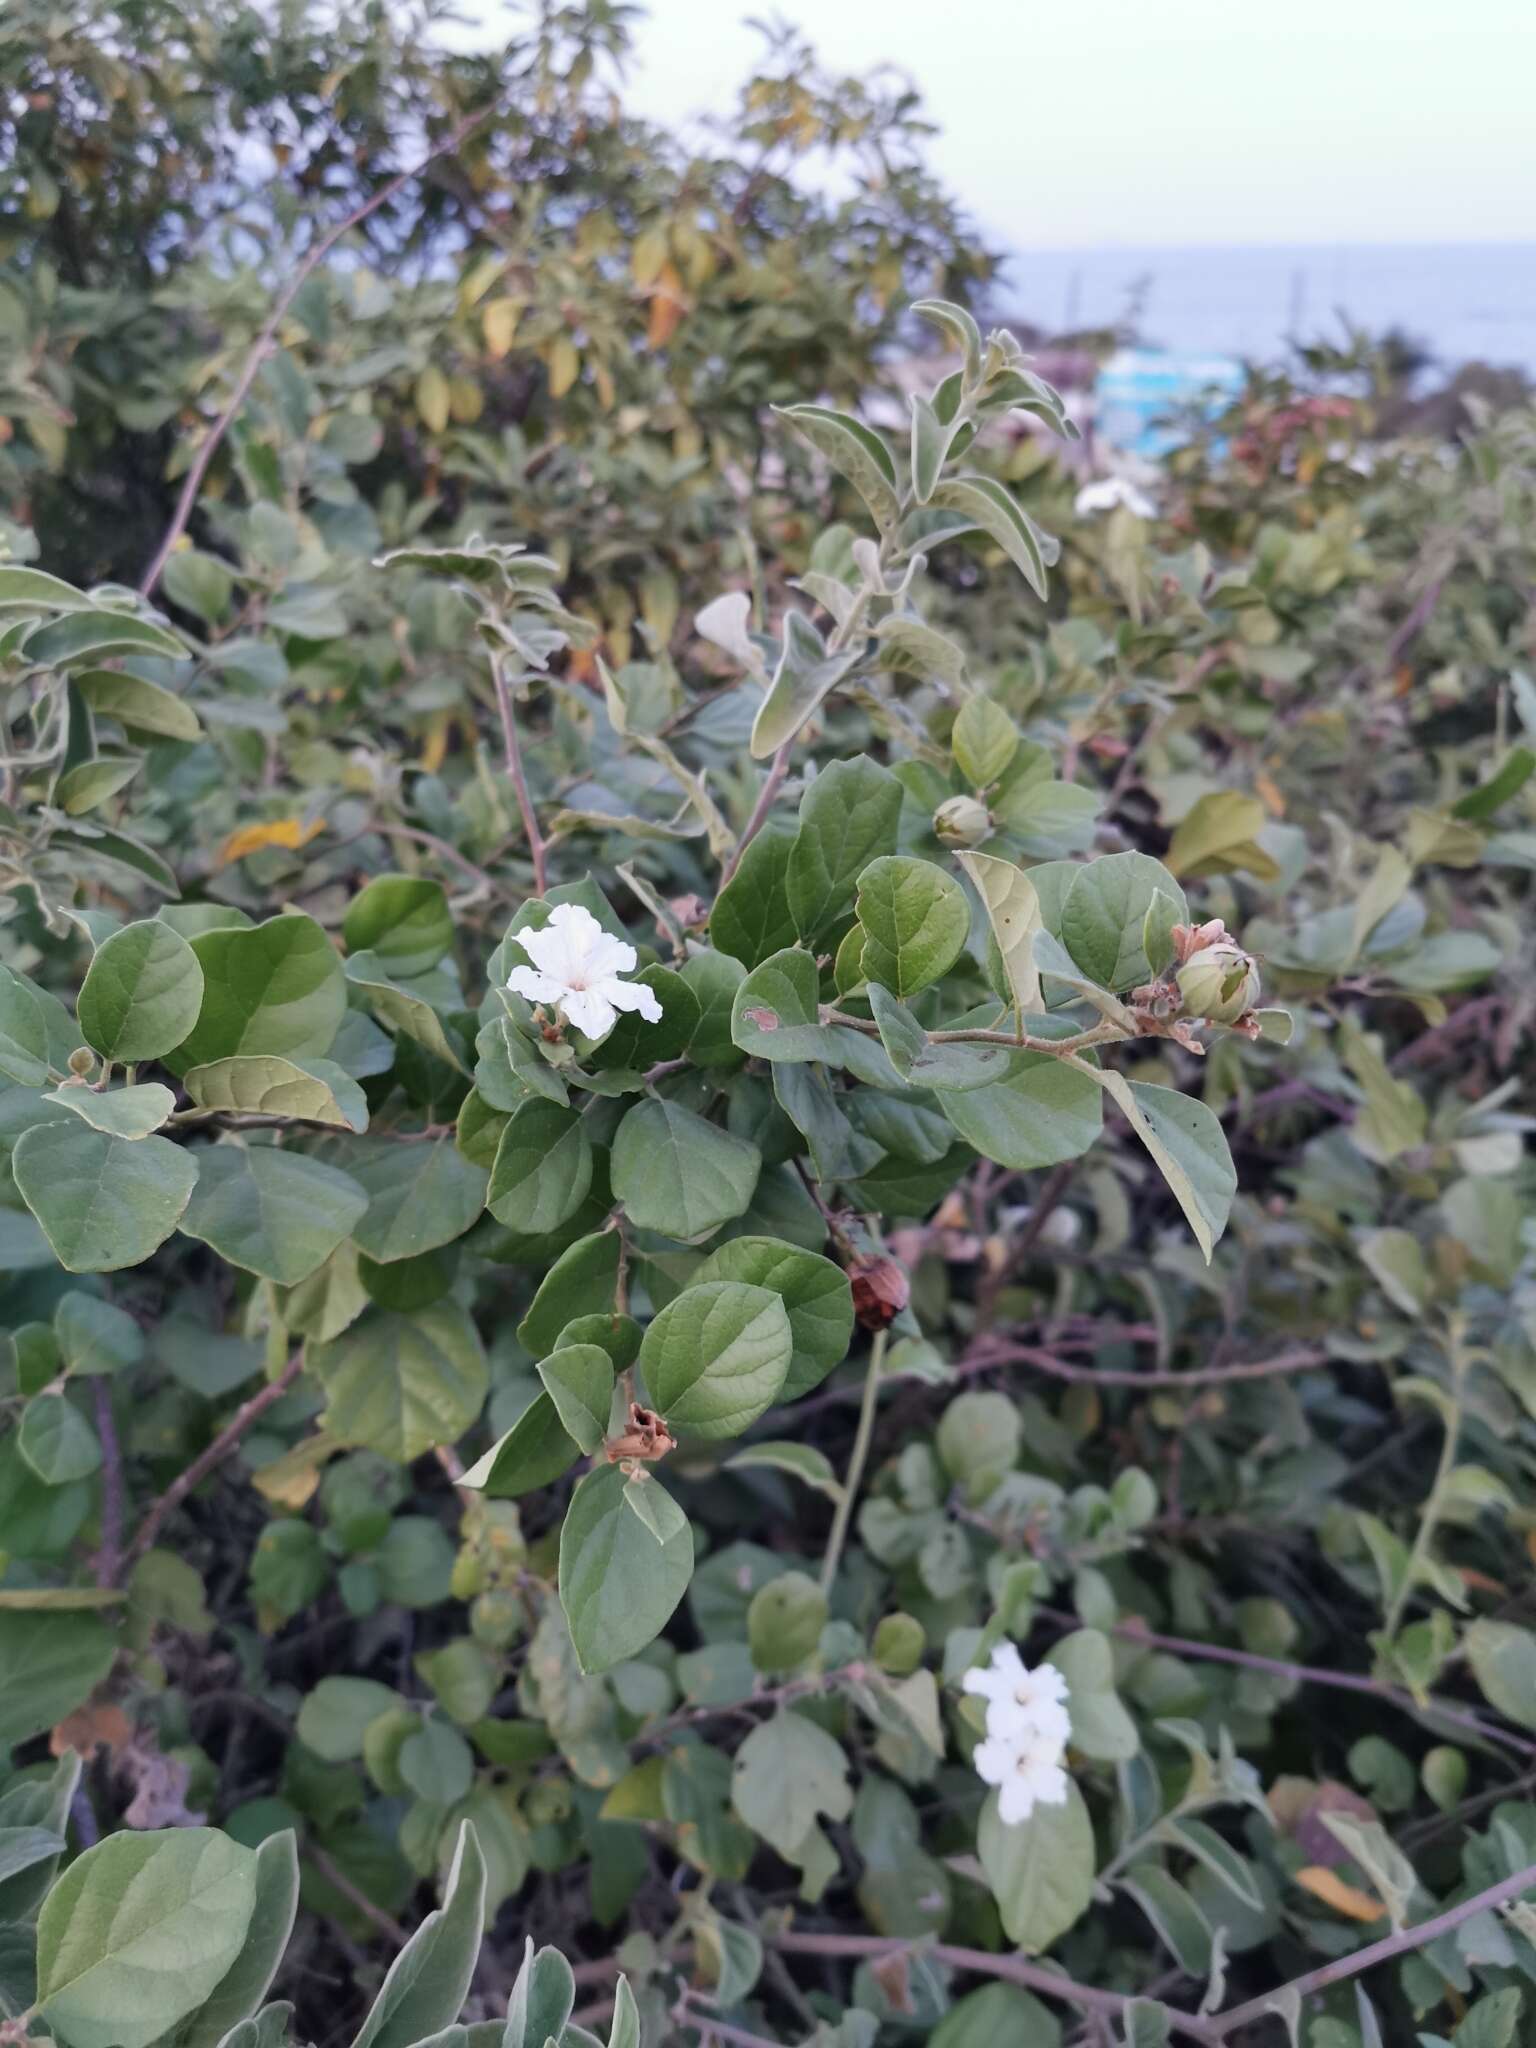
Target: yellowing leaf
290, 832
1216, 835
290, 1481
564, 365
499, 324
1344, 1898
647, 257
667, 307
432, 398
435, 749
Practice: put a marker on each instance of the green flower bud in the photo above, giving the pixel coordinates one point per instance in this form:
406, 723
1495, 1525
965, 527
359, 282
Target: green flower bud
962, 821
899, 1644
1219, 983
81, 1061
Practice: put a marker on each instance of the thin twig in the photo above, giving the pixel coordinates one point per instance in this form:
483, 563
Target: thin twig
1311, 1674
339, 1881
842, 1514
109, 1558
285, 298
1013, 1969
215, 1454
773, 782
687, 2014
1390, 1945
999, 1351
514, 758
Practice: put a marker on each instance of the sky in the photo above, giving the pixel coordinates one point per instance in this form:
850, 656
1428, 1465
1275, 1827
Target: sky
1158, 123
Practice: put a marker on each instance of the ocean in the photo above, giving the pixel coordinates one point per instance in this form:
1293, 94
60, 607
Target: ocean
1463, 302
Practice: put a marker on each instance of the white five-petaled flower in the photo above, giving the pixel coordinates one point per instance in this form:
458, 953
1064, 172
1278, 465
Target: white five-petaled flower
577, 968
1108, 492
1028, 1728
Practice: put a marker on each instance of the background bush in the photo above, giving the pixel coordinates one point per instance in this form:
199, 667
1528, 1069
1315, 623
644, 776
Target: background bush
493, 582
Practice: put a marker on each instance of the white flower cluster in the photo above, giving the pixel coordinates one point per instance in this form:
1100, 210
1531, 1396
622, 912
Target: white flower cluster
1027, 1731
577, 968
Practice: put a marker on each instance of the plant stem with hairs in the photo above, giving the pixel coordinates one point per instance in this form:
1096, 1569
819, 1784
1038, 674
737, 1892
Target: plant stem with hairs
843, 1514
514, 762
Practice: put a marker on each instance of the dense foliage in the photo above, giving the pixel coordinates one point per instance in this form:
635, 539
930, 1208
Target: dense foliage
771, 1231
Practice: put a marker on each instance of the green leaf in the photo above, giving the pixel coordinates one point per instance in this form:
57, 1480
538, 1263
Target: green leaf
805, 674
88, 784
985, 739
24, 1048
787, 1773
311, 1091
1101, 1727
856, 452
1013, 911
142, 992
120, 1112
915, 919
534, 1452
543, 1168
816, 1296
799, 1461
50, 1664
401, 1385
35, 592
402, 919
57, 1441
1503, 1660
995, 2014
429, 1980
95, 1337
1104, 913
464, 1679
1216, 835
582, 1281
579, 1379
923, 1064
94, 846
1188, 1147
80, 635
276, 987
931, 437
1180, 1925
403, 1008
751, 917
716, 1357
962, 332
139, 1931
618, 1592
419, 1196
271, 1211
848, 817
679, 1175
1040, 1870
143, 709
542, 1997
246, 1983
336, 1716
776, 1012
103, 1202
981, 501
655, 1509
785, 1621
1046, 1110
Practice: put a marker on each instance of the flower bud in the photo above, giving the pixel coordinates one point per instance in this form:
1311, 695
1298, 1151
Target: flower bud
81, 1061
962, 821
1219, 983
881, 1290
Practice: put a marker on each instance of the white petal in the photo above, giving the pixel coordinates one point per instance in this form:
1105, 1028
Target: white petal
589, 1012
607, 955
1007, 1663
551, 951
996, 1762
629, 995
1015, 1802
538, 988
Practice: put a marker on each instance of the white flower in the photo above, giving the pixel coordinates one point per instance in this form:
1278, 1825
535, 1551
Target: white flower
576, 968
1017, 1696
1110, 491
1027, 1775
1028, 1728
